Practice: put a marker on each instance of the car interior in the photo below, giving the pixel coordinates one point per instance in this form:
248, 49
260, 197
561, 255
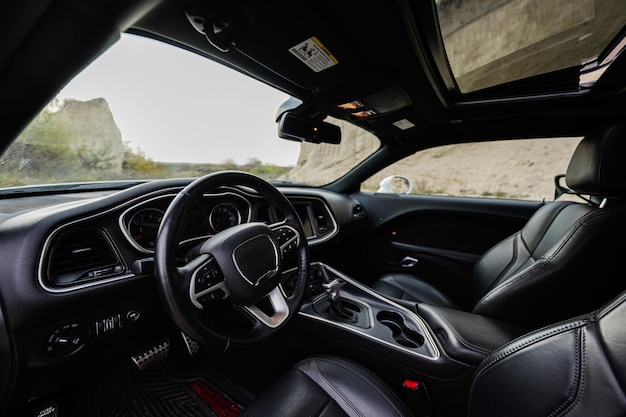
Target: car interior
528, 279
227, 293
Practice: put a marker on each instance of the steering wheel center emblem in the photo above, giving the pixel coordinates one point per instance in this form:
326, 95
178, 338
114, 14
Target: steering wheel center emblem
257, 259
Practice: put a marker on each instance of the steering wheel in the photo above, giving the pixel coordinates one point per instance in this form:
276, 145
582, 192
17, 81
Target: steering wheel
230, 291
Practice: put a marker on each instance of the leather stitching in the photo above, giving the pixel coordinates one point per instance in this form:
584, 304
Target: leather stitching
514, 347
537, 265
502, 275
579, 379
337, 390
616, 303
555, 251
518, 240
465, 342
370, 382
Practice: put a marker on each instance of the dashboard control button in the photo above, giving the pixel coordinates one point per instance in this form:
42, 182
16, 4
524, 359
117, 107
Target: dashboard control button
66, 339
207, 276
133, 315
218, 294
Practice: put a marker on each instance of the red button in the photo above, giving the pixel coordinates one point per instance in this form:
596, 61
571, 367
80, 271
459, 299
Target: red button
411, 384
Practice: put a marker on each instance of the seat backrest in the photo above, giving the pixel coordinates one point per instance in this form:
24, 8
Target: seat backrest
574, 368
565, 260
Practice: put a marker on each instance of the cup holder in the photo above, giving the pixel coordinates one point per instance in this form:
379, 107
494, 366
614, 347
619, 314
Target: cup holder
399, 331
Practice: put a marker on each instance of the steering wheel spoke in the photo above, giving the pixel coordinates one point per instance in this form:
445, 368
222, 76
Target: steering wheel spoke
287, 237
272, 311
206, 281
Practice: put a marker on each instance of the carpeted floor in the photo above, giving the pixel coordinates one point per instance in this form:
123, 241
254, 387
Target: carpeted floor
154, 392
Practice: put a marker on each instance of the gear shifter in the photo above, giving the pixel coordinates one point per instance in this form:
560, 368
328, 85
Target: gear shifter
336, 309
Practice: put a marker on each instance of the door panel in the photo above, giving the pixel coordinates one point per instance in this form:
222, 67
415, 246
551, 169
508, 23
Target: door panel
436, 238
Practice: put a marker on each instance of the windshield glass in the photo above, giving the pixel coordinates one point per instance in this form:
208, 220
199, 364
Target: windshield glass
149, 110
488, 42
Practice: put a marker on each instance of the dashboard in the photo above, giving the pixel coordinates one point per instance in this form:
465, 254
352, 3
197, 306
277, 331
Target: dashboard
77, 284
219, 211
113, 243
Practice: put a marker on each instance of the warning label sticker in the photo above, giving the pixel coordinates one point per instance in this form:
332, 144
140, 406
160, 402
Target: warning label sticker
314, 54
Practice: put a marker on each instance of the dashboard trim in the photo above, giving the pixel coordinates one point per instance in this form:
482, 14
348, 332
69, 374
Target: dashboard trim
124, 223
127, 206
91, 283
315, 240
97, 282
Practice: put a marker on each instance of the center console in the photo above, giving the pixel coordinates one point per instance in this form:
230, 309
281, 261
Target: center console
347, 305
439, 342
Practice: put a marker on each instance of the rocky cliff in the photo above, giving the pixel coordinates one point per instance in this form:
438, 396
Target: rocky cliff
323, 163
92, 132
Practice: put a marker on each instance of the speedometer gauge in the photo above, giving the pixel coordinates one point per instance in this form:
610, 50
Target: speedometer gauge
223, 216
144, 226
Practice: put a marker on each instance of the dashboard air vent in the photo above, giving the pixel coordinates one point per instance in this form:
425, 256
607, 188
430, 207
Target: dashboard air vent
81, 254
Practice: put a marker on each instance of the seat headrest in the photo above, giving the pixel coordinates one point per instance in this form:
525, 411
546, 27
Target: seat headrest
598, 165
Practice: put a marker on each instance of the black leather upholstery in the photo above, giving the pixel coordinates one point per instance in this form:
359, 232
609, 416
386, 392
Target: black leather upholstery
406, 287
467, 337
597, 167
327, 386
563, 262
574, 369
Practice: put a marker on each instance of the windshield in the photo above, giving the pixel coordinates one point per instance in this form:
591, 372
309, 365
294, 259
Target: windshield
146, 110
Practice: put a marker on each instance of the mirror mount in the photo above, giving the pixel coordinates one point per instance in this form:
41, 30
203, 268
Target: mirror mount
299, 128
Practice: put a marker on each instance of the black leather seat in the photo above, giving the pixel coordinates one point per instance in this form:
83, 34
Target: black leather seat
572, 369
327, 386
563, 262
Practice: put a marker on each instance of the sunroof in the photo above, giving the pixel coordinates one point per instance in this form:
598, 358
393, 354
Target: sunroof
491, 42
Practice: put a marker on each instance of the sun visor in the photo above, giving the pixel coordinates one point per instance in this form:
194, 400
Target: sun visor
305, 52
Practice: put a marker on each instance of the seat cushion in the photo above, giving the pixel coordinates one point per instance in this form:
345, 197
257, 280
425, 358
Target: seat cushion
326, 386
411, 288
575, 369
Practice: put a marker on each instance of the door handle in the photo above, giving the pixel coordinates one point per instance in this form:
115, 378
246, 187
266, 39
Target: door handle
408, 262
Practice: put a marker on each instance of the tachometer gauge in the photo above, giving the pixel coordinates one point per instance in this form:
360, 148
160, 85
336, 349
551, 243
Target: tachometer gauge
144, 226
223, 216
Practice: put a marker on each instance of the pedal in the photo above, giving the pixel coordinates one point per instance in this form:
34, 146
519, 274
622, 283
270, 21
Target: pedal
192, 346
155, 354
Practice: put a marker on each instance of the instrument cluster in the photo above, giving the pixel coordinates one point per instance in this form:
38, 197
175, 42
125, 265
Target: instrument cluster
212, 214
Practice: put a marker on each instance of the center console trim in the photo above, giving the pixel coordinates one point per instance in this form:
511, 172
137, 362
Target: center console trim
418, 320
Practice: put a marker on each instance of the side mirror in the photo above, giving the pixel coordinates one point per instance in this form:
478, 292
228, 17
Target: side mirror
305, 129
395, 184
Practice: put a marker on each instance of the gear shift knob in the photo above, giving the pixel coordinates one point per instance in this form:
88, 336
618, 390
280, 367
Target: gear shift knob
336, 309
333, 289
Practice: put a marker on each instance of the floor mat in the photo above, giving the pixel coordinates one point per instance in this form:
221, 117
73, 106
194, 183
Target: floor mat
154, 393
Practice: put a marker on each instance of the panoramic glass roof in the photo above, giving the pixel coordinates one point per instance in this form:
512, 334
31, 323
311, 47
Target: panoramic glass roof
490, 42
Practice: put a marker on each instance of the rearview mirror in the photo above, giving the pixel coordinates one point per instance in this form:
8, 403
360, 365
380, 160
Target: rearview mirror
305, 129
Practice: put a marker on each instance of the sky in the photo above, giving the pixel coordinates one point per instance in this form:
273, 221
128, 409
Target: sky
173, 105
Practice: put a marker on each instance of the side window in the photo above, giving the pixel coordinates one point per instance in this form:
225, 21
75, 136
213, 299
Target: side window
514, 169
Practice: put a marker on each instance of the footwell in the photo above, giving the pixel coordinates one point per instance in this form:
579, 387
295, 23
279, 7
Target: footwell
154, 393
